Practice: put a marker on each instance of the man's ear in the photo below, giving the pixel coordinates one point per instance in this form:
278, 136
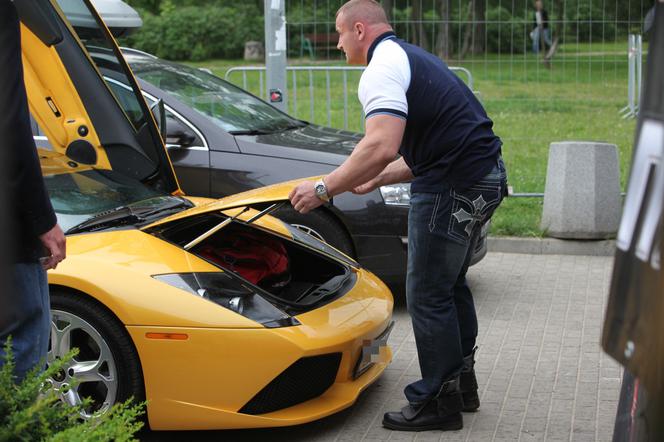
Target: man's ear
359, 30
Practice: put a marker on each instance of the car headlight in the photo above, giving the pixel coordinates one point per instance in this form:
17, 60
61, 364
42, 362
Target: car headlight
231, 293
396, 194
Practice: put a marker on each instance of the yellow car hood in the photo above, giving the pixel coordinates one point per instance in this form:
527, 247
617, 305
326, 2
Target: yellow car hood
269, 194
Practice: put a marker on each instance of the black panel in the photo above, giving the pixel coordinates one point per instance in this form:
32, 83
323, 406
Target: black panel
40, 18
306, 379
82, 152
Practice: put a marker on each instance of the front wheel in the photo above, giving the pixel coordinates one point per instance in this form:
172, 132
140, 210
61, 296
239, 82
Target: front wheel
320, 225
106, 370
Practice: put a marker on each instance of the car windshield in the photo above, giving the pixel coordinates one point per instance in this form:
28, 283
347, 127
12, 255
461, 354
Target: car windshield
77, 197
228, 106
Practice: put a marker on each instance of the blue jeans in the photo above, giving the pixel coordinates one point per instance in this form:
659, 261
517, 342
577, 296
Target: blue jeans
536, 38
442, 231
31, 326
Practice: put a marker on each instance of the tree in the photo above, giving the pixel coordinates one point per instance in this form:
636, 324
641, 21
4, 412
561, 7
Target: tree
443, 45
387, 6
419, 34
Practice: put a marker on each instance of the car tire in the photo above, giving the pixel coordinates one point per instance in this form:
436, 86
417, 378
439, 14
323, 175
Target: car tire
107, 368
319, 224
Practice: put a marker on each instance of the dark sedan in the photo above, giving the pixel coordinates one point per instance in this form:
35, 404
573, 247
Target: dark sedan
223, 140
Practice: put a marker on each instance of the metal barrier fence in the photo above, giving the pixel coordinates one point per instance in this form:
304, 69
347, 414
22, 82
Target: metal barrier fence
634, 76
534, 96
346, 82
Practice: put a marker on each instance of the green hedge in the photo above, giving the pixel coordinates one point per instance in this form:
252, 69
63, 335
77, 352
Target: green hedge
506, 34
198, 33
32, 411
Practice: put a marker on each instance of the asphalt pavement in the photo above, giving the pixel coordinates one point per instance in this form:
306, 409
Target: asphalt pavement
541, 371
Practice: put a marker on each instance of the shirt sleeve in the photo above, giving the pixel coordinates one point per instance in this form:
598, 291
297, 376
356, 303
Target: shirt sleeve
384, 83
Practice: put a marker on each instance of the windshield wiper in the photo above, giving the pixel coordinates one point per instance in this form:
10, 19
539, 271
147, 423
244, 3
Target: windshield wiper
296, 125
179, 203
250, 132
271, 130
124, 215
119, 216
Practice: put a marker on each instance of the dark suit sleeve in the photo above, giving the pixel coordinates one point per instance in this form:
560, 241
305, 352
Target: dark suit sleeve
29, 198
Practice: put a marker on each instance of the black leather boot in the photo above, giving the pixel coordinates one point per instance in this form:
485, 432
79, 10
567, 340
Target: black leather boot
468, 383
440, 413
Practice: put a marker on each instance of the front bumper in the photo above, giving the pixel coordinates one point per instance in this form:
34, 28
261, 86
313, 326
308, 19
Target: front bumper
204, 381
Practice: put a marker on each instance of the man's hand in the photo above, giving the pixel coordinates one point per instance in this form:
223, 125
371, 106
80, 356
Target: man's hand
365, 188
54, 241
303, 197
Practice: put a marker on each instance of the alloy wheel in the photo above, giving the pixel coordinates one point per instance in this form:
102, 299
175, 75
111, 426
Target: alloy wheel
92, 373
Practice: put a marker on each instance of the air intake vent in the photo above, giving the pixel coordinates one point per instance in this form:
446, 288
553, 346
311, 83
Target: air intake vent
306, 379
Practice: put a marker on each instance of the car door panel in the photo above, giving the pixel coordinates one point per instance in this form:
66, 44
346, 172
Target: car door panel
192, 166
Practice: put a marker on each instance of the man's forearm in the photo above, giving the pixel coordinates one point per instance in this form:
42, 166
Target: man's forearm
395, 172
370, 157
356, 170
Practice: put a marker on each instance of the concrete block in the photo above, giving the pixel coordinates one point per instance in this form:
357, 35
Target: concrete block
254, 51
582, 192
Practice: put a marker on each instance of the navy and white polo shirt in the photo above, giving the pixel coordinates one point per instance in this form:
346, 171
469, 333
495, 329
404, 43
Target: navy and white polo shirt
448, 137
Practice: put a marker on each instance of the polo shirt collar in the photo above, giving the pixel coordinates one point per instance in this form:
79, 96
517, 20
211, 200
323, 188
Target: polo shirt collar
381, 38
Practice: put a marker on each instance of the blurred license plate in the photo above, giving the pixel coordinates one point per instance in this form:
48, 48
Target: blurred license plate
374, 350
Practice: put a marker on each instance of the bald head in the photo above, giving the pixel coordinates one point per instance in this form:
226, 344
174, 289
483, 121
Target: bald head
359, 23
367, 11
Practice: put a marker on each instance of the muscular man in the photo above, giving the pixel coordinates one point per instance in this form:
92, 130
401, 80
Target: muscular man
39, 243
415, 106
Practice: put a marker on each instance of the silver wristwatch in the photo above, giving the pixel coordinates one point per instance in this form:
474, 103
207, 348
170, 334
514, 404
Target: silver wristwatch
321, 191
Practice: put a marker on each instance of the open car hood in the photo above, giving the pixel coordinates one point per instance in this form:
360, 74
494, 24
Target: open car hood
251, 198
81, 114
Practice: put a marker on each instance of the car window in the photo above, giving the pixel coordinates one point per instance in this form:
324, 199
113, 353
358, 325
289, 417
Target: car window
228, 106
171, 119
103, 53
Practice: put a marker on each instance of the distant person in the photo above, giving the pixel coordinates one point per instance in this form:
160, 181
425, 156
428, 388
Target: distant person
39, 243
541, 30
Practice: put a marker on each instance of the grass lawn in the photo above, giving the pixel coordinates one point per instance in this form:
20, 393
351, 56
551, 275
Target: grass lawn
578, 98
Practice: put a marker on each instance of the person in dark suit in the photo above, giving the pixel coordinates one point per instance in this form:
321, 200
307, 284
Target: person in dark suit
38, 242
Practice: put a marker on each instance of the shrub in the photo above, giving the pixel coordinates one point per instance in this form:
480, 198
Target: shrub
29, 411
506, 34
589, 22
197, 33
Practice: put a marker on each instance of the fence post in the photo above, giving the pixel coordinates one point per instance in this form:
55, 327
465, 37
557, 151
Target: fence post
275, 53
629, 111
639, 62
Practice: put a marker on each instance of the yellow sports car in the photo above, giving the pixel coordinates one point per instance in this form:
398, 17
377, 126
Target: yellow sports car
216, 313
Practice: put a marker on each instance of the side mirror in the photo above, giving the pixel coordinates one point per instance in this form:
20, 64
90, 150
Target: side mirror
159, 113
178, 134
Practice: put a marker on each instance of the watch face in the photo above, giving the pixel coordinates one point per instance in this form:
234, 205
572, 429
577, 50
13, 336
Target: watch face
320, 189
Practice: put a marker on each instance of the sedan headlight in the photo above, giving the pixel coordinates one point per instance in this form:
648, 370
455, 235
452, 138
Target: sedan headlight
396, 194
231, 293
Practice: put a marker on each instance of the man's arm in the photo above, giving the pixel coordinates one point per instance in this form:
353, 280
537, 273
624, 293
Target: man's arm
371, 156
395, 172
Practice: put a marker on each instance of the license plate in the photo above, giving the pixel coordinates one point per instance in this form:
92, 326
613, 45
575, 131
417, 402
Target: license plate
373, 351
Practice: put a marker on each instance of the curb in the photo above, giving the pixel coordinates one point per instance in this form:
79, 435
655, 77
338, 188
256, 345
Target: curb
551, 246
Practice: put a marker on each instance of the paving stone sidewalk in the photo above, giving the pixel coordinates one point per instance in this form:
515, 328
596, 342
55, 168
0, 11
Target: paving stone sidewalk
542, 373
